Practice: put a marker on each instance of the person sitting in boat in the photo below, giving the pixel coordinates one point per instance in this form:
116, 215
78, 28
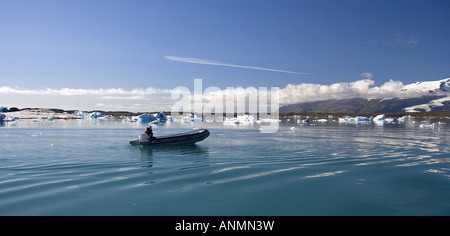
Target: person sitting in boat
149, 133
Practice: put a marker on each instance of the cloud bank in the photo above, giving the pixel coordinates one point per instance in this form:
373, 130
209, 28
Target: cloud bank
214, 63
154, 99
88, 99
365, 88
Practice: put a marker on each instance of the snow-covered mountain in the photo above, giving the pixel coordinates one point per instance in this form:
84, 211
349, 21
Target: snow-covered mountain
438, 86
421, 96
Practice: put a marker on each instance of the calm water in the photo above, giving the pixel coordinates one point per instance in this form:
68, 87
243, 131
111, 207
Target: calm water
85, 168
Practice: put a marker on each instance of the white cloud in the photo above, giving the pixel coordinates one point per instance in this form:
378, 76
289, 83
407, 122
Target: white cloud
409, 42
153, 99
412, 41
87, 99
214, 63
367, 75
106, 93
365, 88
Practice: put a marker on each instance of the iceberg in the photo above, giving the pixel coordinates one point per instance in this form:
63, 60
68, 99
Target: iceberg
146, 118
426, 126
129, 118
159, 117
5, 118
240, 120
348, 119
403, 118
379, 119
80, 113
267, 120
390, 120
191, 118
303, 122
95, 115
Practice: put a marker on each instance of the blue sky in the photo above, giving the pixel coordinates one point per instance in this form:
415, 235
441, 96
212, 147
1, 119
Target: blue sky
126, 44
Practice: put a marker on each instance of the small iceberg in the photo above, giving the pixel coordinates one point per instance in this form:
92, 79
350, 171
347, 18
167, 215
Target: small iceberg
240, 120
5, 118
404, 118
379, 119
159, 117
348, 119
95, 115
303, 122
129, 118
426, 126
267, 120
80, 113
191, 118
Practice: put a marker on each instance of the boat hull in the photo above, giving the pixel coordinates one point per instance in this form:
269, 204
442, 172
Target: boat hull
176, 139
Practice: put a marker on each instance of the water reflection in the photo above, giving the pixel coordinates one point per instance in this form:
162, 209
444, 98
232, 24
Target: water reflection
188, 149
147, 154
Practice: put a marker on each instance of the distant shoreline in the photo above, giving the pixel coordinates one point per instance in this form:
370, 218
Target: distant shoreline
56, 113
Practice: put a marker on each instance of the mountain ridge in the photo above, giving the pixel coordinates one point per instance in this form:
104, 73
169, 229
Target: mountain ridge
430, 96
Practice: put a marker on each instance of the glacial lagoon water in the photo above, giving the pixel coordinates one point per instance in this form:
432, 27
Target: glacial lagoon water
79, 167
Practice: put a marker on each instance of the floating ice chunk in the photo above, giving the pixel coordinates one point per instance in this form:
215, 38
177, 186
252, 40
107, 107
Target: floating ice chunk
230, 121
240, 120
379, 119
348, 119
268, 120
95, 115
5, 118
80, 113
390, 120
426, 126
159, 117
129, 119
145, 118
303, 122
362, 118
191, 118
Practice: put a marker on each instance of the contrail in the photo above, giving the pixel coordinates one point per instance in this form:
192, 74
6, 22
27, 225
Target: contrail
215, 63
